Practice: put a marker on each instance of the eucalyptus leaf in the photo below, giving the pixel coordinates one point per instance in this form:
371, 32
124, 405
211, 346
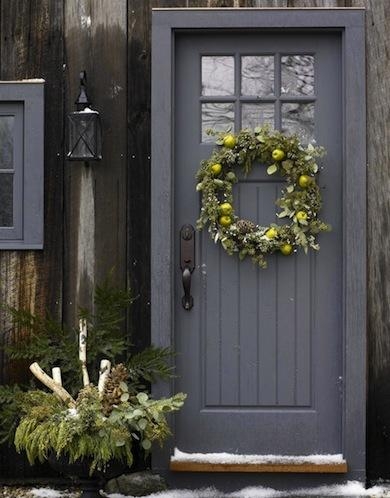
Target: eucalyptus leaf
310, 148
242, 254
146, 444
272, 169
142, 397
142, 424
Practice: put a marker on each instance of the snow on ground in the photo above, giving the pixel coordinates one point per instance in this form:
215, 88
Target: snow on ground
353, 489
46, 493
233, 458
49, 493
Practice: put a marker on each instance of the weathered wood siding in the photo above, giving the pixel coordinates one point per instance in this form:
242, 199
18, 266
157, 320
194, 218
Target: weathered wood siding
97, 217
31, 46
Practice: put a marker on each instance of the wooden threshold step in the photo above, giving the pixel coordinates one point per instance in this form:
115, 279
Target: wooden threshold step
225, 462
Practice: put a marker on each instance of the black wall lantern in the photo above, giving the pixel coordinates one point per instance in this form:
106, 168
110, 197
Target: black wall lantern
84, 128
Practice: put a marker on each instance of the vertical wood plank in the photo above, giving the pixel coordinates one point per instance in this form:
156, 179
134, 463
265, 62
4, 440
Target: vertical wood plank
378, 231
138, 198
95, 198
32, 47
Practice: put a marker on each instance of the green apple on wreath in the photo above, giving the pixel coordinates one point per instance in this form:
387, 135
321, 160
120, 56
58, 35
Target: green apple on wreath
300, 200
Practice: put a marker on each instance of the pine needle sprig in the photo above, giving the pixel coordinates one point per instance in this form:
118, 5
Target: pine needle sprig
149, 365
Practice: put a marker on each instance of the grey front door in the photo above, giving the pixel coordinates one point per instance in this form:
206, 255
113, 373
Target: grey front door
260, 354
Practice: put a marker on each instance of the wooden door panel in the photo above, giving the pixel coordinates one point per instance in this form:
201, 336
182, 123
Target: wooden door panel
261, 349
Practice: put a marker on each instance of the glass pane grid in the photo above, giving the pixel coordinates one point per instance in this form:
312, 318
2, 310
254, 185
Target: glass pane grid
245, 91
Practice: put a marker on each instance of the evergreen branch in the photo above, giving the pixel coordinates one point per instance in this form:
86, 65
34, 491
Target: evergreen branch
149, 365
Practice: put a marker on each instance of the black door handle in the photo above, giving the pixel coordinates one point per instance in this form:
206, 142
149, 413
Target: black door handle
187, 263
187, 300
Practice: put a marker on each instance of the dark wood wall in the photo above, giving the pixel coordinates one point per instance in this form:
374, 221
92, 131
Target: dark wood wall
97, 217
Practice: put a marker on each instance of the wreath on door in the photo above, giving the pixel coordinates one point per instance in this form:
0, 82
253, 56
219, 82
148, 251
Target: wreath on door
300, 200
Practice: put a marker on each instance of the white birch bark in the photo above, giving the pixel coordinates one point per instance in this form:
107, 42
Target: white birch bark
52, 384
105, 367
56, 374
83, 350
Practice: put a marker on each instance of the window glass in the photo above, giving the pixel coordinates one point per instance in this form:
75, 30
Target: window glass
298, 75
257, 75
217, 75
6, 142
217, 116
253, 115
6, 199
299, 118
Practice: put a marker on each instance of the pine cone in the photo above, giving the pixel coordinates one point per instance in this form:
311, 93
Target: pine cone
112, 389
245, 226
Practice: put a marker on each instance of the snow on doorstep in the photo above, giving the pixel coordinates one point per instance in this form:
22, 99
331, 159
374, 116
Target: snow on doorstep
232, 458
31, 80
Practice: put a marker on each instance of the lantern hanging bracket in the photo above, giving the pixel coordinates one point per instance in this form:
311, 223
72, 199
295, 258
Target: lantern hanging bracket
82, 100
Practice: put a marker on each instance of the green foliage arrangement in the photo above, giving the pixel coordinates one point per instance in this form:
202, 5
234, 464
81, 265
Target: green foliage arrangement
98, 425
90, 431
300, 200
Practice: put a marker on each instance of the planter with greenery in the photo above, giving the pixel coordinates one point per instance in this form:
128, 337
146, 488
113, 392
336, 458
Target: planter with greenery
97, 408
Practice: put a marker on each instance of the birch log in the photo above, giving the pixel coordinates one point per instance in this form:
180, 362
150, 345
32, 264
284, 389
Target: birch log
105, 367
51, 384
83, 350
56, 374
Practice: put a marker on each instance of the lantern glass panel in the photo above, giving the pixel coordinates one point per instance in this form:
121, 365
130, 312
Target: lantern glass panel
84, 136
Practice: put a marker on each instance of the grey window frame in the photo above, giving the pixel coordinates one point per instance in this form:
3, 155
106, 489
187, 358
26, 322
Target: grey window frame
350, 22
28, 202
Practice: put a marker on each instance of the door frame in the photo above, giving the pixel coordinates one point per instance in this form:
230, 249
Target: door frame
351, 24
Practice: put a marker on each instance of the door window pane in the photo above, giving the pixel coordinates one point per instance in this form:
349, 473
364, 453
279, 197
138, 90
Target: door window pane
299, 118
6, 199
253, 115
217, 75
6, 142
257, 75
298, 75
216, 116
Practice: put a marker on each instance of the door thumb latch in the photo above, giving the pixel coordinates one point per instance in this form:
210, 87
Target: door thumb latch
187, 263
